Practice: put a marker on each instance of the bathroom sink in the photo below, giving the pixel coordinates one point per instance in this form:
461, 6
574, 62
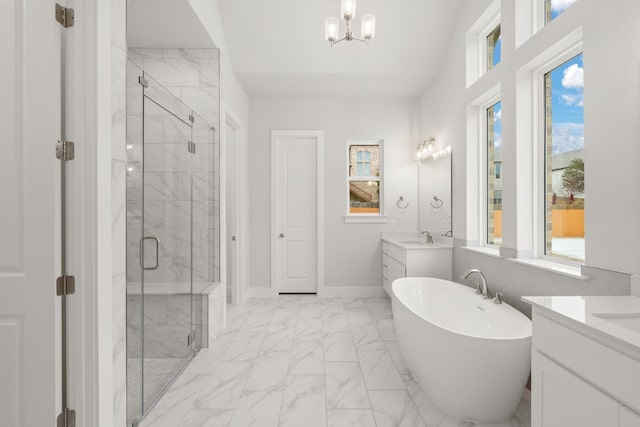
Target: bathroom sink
416, 242
626, 320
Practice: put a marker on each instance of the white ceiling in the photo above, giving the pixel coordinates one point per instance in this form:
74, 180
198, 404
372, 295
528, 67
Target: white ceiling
166, 24
277, 47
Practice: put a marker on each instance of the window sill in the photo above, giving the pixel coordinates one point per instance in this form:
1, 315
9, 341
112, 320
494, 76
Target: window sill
483, 250
574, 272
365, 219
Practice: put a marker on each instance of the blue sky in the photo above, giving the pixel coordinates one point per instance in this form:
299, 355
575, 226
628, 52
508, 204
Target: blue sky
559, 6
497, 124
567, 93
497, 52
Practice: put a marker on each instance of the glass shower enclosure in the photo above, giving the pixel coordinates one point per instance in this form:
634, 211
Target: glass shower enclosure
170, 242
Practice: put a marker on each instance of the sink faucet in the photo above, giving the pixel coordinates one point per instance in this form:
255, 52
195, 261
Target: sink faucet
481, 287
428, 236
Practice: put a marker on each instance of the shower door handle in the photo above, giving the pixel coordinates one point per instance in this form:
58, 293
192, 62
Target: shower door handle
155, 239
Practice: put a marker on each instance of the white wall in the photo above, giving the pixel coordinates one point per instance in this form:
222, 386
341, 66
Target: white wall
352, 251
612, 100
232, 92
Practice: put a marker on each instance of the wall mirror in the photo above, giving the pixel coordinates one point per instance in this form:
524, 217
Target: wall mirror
434, 195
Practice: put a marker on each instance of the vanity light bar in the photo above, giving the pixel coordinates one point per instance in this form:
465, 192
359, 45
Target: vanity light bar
434, 155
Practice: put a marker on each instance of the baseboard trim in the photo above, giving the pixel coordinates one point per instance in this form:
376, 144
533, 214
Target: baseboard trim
351, 291
326, 292
262, 293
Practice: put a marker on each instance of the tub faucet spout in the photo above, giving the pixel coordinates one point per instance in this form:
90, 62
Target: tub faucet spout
428, 236
482, 286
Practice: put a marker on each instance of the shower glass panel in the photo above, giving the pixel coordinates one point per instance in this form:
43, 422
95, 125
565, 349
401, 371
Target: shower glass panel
163, 190
166, 241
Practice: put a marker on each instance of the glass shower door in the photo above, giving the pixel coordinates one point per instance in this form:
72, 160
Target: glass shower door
166, 242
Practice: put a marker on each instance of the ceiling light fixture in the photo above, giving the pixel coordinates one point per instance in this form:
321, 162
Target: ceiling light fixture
348, 13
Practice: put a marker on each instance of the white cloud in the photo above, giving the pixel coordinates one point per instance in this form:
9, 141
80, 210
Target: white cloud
573, 100
560, 5
497, 116
567, 137
573, 77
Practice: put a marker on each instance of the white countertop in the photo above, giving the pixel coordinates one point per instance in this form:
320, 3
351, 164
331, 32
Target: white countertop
616, 316
413, 242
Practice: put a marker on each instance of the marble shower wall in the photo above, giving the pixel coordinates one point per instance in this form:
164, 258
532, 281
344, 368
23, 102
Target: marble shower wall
169, 169
118, 208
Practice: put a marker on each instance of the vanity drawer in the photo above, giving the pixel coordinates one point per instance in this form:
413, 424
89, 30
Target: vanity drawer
385, 270
385, 247
610, 370
398, 254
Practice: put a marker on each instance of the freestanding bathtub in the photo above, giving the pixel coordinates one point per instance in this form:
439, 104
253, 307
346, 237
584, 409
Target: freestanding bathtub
471, 357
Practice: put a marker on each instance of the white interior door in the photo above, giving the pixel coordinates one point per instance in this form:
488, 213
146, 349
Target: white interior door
29, 218
295, 199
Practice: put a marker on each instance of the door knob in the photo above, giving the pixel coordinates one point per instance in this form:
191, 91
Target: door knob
281, 235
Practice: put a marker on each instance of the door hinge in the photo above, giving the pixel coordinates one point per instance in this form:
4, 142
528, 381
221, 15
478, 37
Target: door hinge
191, 118
65, 16
65, 150
144, 82
67, 418
191, 146
191, 338
65, 285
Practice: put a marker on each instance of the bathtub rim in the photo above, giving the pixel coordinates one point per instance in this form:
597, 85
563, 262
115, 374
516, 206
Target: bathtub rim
452, 331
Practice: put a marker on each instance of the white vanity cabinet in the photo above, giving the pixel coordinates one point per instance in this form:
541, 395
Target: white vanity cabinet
585, 369
414, 259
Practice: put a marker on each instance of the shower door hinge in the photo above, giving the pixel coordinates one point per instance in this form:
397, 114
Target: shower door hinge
191, 146
65, 16
65, 285
65, 150
191, 338
67, 418
144, 82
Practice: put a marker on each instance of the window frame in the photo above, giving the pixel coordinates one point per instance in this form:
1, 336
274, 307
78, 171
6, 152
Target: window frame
484, 170
380, 216
483, 44
539, 159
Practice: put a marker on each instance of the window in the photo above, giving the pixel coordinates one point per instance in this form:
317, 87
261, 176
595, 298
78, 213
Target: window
493, 169
364, 184
494, 48
564, 191
553, 8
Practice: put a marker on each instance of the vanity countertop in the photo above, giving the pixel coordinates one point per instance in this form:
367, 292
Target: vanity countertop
615, 316
413, 242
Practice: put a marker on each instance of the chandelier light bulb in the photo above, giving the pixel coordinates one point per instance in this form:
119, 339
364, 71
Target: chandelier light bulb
331, 29
348, 9
368, 27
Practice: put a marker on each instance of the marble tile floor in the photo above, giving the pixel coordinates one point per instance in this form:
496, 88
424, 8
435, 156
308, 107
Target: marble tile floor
300, 360
158, 373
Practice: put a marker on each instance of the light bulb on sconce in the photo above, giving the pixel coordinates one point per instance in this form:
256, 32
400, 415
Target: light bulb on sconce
426, 150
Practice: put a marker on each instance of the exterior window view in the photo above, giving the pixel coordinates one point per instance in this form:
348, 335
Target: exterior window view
364, 179
553, 8
494, 48
564, 161
494, 174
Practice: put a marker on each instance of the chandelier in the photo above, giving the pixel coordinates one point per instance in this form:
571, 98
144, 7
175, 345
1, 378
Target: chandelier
348, 13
